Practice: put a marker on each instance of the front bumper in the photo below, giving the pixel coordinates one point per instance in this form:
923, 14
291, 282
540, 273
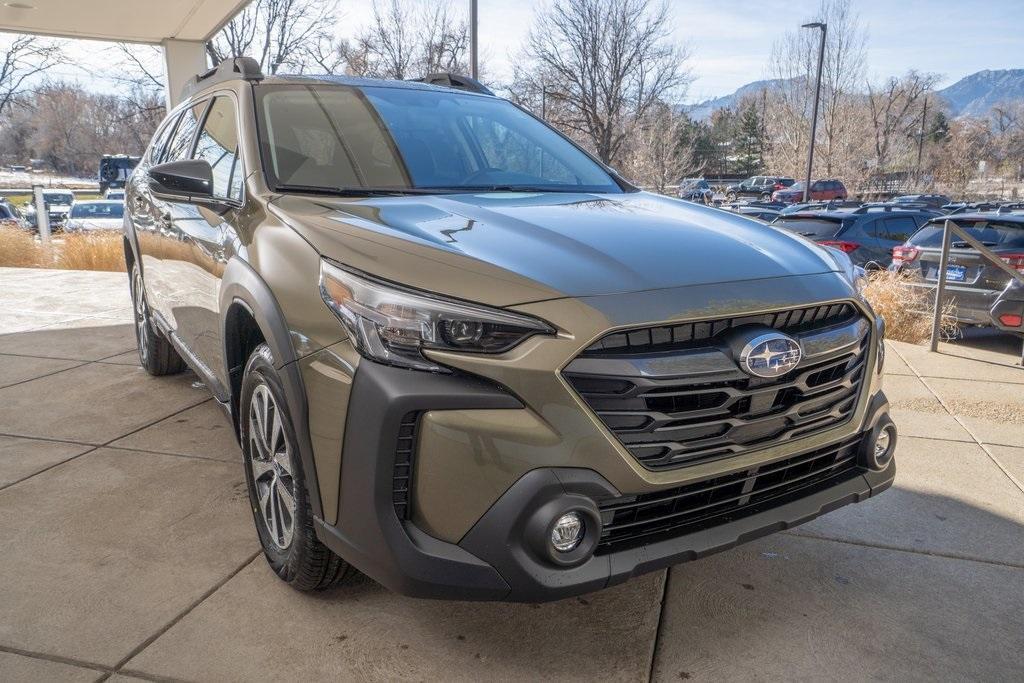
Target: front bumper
499, 558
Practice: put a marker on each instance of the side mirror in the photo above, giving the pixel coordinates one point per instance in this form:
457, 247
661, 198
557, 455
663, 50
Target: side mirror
188, 180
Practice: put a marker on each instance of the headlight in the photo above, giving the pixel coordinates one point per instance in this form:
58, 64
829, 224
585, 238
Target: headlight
393, 325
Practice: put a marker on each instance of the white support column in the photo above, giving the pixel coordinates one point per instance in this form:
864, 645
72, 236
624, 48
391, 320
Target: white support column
183, 59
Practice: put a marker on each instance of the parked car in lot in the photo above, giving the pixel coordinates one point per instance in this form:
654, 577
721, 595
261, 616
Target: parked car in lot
867, 234
1007, 312
972, 282
821, 190
58, 205
114, 170
473, 376
762, 211
759, 186
696, 190
103, 214
117, 194
10, 217
921, 201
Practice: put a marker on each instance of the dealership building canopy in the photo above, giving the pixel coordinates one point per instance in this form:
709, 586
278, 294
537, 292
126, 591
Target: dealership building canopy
182, 27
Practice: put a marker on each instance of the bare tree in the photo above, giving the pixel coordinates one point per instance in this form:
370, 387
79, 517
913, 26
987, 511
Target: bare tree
611, 62
658, 154
793, 62
21, 58
966, 144
276, 33
406, 40
896, 111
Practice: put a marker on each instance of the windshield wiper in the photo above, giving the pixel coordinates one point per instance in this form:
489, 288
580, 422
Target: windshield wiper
357, 191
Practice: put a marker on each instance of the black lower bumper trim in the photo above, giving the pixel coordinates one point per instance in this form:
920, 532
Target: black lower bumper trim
504, 556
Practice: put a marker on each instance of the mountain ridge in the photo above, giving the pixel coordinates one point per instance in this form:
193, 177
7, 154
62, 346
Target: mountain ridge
973, 95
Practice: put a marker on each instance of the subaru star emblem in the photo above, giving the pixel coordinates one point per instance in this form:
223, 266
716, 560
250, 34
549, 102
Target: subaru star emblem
770, 355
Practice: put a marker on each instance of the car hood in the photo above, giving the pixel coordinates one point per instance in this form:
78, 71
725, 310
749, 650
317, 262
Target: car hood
510, 248
95, 223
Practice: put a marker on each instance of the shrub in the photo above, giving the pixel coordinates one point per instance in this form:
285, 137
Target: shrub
19, 249
907, 310
101, 250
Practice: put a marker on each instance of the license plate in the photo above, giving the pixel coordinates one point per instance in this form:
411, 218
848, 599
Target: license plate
956, 273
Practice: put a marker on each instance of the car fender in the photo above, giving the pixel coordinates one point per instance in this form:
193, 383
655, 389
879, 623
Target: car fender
242, 285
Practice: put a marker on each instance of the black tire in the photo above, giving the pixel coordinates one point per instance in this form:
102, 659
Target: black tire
156, 354
295, 554
765, 197
731, 196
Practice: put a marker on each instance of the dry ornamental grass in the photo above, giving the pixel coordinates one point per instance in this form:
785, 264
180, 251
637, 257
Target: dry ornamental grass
907, 311
88, 251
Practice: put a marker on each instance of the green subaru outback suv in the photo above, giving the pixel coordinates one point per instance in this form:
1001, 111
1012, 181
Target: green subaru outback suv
468, 360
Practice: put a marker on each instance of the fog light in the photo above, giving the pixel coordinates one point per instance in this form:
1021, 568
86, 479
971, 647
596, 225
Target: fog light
883, 449
567, 532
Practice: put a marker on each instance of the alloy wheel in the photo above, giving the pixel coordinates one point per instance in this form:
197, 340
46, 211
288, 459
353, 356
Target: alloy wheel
141, 314
271, 464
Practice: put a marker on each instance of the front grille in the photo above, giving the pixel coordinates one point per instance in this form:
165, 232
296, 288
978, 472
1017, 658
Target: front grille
405, 451
688, 335
687, 418
632, 520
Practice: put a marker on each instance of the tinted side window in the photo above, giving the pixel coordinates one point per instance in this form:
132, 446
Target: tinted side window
156, 149
218, 146
181, 142
900, 228
872, 228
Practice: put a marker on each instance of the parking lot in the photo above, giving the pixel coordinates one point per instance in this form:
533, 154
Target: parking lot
127, 548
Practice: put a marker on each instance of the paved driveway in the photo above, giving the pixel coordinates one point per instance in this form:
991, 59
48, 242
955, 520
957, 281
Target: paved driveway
127, 550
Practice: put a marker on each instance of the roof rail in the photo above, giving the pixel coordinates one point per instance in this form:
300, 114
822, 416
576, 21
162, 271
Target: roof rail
457, 81
245, 68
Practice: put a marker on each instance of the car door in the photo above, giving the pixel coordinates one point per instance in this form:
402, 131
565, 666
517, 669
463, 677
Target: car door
139, 209
160, 244
867, 233
205, 236
895, 231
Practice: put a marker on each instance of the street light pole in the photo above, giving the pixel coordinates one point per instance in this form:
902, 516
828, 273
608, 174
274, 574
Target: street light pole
814, 110
474, 68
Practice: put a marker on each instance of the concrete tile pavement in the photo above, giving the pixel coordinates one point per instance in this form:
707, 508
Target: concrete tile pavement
127, 546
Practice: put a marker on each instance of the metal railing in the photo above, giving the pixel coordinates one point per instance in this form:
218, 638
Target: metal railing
948, 228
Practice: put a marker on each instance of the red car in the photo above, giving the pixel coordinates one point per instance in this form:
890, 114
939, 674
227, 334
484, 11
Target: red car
821, 190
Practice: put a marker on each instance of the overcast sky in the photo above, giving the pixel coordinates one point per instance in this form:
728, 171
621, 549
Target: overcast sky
730, 40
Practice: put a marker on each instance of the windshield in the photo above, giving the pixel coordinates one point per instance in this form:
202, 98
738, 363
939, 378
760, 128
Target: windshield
334, 137
97, 210
990, 233
55, 199
815, 228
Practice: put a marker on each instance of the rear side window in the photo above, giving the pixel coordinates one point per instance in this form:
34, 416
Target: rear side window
5, 212
181, 142
998, 234
217, 144
898, 228
815, 228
